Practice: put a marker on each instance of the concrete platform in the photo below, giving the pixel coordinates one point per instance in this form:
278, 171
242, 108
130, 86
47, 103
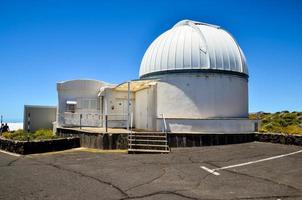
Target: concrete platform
97, 138
97, 175
118, 138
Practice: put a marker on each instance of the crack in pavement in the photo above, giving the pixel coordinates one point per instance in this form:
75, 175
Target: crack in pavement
126, 196
267, 180
181, 172
161, 192
10, 163
233, 159
267, 197
225, 160
84, 175
257, 177
201, 180
194, 198
148, 182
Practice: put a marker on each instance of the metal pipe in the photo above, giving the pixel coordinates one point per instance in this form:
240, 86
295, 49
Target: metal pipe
128, 106
164, 121
131, 121
102, 110
106, 123
80, 121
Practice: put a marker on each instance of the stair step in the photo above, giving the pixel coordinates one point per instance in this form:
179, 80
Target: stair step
155, 134
150, 140
149, 145
148, 150
148, 133
148, 136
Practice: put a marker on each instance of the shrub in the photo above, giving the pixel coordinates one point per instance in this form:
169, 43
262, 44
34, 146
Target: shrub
293, 129
253, 116
6, 135
17, 135
44, 134
20, 135
280, 122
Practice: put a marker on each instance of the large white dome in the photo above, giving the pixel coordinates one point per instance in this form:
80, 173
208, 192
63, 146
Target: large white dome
192, 46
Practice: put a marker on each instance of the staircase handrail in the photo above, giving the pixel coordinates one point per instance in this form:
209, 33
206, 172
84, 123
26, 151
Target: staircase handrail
165, 124
165, 127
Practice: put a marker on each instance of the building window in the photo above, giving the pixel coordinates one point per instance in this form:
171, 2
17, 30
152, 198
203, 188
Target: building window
71, 106
87, 104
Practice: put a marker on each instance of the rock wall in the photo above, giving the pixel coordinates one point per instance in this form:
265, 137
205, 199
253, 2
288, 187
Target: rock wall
279, 138
24, 147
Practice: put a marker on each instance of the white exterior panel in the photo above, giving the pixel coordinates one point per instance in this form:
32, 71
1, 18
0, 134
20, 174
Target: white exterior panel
202, 96
209, 125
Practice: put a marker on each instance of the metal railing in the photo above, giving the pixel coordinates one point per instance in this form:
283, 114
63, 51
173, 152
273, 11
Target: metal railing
80, 119
165, 129
69, 119
165, 124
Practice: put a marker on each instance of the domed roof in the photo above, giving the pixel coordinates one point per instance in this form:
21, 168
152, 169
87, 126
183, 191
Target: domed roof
191, 46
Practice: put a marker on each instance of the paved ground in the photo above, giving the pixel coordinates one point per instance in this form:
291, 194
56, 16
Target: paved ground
95, 175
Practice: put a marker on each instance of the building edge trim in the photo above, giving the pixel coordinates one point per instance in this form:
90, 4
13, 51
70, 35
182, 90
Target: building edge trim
191, 71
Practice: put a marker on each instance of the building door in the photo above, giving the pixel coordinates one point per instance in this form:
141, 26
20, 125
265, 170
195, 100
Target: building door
141, 107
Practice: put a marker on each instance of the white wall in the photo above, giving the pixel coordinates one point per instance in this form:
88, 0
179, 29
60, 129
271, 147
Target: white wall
202, 96
78, 90
41, 117
209, 125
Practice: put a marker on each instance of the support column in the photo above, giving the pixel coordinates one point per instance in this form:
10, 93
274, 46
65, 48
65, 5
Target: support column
128, 106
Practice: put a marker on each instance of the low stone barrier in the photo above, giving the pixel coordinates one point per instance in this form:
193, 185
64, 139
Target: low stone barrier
279, 138
97, 140
41, 146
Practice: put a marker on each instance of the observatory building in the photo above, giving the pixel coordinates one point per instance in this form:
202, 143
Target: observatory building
193, 78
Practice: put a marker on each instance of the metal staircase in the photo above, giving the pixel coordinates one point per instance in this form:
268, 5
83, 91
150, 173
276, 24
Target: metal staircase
148, 142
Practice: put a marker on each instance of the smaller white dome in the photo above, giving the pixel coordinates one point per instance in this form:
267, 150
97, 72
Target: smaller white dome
193, 46
80, 85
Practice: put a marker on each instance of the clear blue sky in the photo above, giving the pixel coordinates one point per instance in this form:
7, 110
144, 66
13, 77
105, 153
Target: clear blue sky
43, 42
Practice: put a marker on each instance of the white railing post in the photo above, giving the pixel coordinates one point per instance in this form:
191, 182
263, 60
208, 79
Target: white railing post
165, 130
131, 121
164, 121
128, 106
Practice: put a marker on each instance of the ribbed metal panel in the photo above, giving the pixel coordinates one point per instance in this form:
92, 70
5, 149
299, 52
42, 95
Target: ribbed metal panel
193, 45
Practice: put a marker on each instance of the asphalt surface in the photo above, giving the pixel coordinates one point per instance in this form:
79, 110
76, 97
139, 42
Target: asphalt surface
98, 175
